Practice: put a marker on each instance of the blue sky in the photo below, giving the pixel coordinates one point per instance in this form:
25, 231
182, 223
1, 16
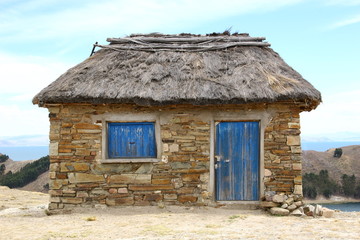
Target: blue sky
41, 39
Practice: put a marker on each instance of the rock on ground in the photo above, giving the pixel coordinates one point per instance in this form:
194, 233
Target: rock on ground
279, 211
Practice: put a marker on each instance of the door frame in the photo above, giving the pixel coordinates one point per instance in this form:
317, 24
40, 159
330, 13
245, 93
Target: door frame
264, 118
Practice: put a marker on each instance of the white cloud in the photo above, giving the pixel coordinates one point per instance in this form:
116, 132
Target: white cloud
119, 17
346, 22
24, 141
19, 120
350, 20
343, 2
337, 119
20, 79
27, 74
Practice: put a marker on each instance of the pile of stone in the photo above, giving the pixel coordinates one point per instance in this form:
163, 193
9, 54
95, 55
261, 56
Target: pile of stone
293, 205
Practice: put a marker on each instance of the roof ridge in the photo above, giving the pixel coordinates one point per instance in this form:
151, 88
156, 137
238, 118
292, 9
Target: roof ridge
181, 43
189, 39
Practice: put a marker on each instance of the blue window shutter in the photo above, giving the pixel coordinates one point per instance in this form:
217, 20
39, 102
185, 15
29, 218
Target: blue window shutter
131, 140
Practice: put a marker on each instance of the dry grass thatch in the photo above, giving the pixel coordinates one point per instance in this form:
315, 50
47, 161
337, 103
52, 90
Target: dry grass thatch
176, 69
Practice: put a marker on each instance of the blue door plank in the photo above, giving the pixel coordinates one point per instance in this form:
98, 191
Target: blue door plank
237, 173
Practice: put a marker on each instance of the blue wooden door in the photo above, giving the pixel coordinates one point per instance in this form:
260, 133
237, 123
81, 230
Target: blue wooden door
237, 161
131, 140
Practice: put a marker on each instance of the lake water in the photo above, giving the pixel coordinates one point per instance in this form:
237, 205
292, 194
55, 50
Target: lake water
345, 207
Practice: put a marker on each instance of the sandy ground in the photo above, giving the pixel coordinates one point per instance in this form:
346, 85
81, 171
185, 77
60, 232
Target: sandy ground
22, 216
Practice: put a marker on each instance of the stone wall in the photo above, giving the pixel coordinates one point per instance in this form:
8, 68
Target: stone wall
282, 149
79, 176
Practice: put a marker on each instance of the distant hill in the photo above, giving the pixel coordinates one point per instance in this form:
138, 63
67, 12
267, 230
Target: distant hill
348, 163
14, 166
37, 185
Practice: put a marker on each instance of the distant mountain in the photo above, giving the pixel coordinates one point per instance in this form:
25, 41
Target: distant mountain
348, 163
14, 166
37, 185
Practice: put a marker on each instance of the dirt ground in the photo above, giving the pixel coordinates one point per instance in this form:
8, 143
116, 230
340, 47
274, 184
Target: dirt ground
22, 216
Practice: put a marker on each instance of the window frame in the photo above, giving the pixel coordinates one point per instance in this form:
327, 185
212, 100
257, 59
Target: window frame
130, 118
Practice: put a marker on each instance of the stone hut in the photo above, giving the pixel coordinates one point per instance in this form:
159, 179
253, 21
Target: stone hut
176, 119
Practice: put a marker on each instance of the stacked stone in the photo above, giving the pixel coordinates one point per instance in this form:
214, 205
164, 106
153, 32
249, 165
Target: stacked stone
283, 204
74, 145
282, 161
186, 157
78, 177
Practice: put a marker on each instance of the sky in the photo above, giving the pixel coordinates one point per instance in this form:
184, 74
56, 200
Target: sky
41, 39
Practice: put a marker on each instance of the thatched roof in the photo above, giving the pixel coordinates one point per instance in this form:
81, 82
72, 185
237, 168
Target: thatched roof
181, 69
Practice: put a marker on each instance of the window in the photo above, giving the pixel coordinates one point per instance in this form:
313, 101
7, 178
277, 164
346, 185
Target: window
131, 140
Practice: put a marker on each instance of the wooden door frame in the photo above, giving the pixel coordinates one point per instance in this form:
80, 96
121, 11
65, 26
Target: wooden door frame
263, 117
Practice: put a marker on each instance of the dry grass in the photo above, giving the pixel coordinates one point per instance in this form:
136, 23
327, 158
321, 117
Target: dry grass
90, 219
241, 74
